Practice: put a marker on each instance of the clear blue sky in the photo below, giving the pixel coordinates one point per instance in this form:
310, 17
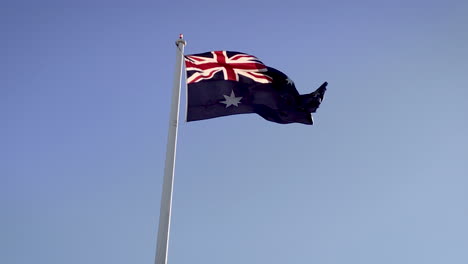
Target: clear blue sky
382, 176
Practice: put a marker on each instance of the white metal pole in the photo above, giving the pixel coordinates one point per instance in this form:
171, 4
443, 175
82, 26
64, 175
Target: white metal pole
166, 198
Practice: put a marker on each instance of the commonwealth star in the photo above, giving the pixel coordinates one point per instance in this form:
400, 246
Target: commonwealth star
231, 100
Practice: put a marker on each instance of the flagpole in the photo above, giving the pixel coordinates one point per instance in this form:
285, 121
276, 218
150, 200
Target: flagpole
162, 242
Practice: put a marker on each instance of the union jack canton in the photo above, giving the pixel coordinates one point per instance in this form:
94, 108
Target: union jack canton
204, 67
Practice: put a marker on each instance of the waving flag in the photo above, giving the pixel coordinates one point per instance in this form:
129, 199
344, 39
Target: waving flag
222, 83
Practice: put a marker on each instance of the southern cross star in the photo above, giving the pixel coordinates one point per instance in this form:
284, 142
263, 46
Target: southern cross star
231, 100
289, 81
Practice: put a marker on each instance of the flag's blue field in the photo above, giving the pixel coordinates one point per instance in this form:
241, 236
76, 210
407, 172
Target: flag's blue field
381, 176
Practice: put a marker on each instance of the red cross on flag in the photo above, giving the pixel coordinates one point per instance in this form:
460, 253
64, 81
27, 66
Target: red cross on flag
205, 67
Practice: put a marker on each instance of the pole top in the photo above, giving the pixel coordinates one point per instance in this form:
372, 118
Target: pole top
181, 40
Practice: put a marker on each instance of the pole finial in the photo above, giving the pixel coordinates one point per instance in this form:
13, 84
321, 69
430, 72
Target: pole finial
181, 40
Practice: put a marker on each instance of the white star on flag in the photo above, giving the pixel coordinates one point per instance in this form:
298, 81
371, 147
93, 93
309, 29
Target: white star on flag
289, 81
231, 100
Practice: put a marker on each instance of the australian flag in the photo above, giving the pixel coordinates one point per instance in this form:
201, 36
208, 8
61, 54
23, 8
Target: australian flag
222, 83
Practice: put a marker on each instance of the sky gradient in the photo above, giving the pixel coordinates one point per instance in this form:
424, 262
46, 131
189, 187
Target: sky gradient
381, 177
